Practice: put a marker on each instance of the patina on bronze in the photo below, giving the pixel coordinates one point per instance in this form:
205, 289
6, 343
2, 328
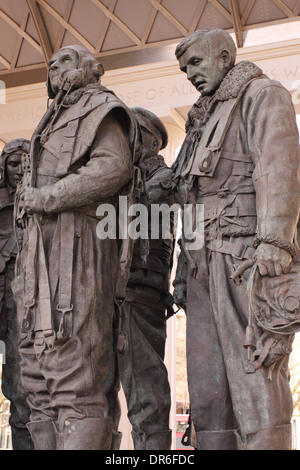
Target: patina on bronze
11, 175
241, 160
81, 155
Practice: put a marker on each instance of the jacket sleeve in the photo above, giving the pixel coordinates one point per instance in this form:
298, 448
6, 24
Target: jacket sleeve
273, 142
109, 169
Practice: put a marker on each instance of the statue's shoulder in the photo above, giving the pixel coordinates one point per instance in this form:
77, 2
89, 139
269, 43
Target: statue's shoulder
94, 104
99, 96
5, 199
264, 82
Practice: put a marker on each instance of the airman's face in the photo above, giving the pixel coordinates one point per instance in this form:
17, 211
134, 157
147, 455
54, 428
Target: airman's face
14, 170
204, 66
151, 143
62, 61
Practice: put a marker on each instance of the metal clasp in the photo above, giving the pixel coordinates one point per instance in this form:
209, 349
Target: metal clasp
62, 311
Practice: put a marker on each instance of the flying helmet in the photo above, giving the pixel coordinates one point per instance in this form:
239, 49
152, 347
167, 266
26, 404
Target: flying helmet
87, 62
152, 123
275, 301
13, 146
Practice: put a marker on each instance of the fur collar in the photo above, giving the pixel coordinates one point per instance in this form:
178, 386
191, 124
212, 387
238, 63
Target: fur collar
76, 95
230, 88
234, 81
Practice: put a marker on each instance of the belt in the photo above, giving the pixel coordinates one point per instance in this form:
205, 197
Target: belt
237, 249
229, 212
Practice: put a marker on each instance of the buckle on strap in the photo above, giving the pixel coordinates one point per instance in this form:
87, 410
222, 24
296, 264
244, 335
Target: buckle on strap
27, 320
62, 327
236, 249
242, 251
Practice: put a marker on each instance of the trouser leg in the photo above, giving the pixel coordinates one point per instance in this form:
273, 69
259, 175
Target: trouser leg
210, 399
260, 401
15, 393
11, 373
62, 389
112, 387
144, 376
256, 402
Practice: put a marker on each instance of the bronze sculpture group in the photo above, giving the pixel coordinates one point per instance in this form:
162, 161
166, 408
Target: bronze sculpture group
90, 313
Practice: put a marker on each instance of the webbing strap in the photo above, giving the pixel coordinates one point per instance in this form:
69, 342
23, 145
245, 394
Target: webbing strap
65, 307
236, 249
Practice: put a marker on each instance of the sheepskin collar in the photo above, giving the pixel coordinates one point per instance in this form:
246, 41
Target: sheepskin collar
230, 88
235, 80
76, 95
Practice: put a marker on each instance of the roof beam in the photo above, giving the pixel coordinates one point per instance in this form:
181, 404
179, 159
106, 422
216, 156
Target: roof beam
237, 23
5, 62
169, 17
150, 24
62, 31
66, 25
20, 39
282, 6
221, 9
105, 26
41, 29
22, 33
197, 16
296, 10
246, 13
117, 21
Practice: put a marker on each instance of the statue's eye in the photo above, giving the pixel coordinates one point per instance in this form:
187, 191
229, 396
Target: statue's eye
66, 58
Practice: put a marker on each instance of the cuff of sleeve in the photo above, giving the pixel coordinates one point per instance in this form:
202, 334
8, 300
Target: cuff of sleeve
54, 198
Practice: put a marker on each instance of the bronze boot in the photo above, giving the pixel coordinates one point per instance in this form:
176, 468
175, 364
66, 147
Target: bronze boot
116, 441
42, 434
85, 434
274, 438
216, 440
158, 441
21, 439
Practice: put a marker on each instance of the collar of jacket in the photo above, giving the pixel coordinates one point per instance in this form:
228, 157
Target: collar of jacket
76, 95
235, 80
83, 105
230, 88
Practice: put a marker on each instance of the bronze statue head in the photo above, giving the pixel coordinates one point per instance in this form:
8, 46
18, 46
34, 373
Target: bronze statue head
153, 132
74, 63
206, 56
10, 166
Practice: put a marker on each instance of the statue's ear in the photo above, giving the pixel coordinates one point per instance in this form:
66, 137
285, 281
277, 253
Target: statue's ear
226, 57
98, 69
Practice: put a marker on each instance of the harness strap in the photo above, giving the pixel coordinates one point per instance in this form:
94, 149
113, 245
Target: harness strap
30, 277
44, 306
237, 249
64, 306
